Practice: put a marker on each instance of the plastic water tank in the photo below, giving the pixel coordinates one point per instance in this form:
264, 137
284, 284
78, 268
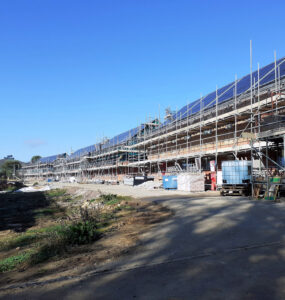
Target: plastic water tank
236, 171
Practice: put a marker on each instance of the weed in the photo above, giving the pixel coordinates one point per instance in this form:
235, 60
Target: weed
56, 193
45, 229
44, 212
19, 241
83, 226
11, 188
12, 262
81, 233
110, 199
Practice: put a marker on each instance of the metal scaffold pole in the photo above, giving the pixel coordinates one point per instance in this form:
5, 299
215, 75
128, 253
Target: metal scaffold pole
235, 134
251, 120
276, 88
259, 120
216, 127
200, 129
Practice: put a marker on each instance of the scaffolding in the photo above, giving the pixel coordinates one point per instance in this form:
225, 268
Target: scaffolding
229, 123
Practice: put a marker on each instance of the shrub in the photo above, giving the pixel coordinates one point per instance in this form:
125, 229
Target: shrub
110, 199
56, 193
81, 233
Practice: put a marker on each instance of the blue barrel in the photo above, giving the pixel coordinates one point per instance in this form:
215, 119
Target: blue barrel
170, 182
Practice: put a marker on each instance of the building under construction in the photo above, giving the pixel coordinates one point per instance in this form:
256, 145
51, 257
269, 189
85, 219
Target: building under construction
244, 120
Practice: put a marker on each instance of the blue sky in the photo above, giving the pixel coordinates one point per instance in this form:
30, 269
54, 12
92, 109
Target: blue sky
72, 72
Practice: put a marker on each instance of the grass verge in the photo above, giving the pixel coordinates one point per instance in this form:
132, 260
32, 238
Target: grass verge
41, 244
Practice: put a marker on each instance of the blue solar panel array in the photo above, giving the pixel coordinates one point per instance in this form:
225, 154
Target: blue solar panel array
266, 75
83, 151
123, 137
116, 140
48, 159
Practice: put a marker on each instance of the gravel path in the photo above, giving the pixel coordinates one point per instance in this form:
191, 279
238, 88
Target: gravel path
136, 192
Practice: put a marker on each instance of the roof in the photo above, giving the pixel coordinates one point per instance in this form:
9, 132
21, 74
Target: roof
266, 75
116, 140
50, 159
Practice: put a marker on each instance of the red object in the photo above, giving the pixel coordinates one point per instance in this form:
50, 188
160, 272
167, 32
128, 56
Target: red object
213, 181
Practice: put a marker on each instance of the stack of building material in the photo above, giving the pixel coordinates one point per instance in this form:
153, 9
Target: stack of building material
136, 180
189, 182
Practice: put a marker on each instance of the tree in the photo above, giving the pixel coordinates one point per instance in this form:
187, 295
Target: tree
9, 168
35, 158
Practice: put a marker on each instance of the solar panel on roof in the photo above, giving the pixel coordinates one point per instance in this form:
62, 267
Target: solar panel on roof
225, 93
48, 159
116, 140
266, 75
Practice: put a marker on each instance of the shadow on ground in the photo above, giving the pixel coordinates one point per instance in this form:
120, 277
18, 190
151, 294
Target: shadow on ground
17, 210
213, 248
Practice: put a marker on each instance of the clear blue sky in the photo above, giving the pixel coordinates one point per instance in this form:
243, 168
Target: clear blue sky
74, 71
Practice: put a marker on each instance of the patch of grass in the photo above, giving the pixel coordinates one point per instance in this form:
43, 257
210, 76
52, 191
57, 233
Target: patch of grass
19, 241
127, 207
58, 241
49, 242
110, 199
29, 237
74, 199
44, 212
56, 193
12, 262
107, 216
11, 188
124, 207
84, 226
47, 229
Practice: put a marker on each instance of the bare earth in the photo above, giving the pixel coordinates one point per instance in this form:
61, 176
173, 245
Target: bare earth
211, 248
135, 192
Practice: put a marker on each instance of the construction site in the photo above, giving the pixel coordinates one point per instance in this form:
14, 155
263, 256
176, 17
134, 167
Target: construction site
239, 126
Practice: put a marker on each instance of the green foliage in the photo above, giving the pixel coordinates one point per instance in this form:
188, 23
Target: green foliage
35, 158
11, 188
47, 229
58, 240
56, 193
19, 241
81, 233
110, 199
47, 243
85, 226
124, 207
8, 167
54, 244
11, 262
45, 212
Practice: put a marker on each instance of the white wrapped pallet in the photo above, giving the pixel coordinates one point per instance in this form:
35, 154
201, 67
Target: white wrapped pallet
219, 178
190, 182
129, 181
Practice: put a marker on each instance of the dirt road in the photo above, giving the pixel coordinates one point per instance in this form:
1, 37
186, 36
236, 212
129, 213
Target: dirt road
212, 248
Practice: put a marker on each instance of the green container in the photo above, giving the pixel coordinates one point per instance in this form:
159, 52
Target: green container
275, 179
